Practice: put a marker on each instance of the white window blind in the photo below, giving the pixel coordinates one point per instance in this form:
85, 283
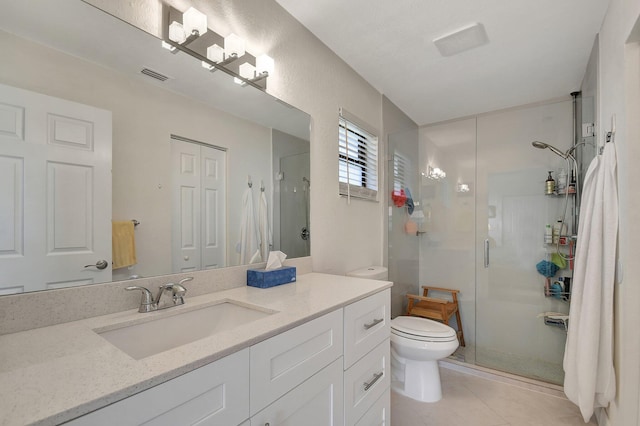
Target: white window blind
357, 160
400, 171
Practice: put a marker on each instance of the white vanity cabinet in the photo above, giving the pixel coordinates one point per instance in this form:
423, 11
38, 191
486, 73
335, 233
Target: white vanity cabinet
216, 394
367, 375
332, 370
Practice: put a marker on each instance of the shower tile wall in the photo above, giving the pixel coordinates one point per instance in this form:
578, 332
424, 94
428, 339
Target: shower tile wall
493, 156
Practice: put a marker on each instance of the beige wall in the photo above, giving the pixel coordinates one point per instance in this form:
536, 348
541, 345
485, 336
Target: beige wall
312, 78
618, 96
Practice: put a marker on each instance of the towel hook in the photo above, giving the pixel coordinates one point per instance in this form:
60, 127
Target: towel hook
249, 181
135, 222
261, 185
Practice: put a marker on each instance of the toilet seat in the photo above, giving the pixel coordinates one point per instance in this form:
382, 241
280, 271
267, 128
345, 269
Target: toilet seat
422, 329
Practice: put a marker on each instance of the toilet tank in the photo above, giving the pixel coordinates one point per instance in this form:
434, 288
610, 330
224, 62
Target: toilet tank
371, 272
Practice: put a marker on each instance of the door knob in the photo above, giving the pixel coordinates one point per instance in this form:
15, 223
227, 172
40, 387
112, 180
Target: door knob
100, 264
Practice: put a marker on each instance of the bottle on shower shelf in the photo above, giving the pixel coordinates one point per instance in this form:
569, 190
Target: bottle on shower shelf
559, 229
572, 183
550, 184
548, 234
561, 184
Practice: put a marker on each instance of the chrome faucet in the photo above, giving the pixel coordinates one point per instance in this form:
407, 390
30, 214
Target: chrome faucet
148, 303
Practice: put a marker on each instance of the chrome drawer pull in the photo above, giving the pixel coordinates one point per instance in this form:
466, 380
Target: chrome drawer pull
376, 377
373, 324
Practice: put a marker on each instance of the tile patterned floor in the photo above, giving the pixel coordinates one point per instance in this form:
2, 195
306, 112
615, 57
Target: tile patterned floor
475, 401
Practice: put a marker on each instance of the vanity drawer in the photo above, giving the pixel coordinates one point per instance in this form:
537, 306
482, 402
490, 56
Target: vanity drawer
366, 381
284, 361
366, 324
316, 402
215, 394
379, 414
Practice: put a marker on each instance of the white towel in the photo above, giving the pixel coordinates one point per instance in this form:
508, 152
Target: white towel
588, 359
249, 245
266, 238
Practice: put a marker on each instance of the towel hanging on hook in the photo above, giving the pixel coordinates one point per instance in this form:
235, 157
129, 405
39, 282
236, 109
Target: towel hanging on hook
261, 185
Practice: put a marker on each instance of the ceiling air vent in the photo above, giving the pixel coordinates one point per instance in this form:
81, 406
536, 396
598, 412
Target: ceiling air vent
154, 74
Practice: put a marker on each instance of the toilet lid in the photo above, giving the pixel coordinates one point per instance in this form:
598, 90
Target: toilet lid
421, 328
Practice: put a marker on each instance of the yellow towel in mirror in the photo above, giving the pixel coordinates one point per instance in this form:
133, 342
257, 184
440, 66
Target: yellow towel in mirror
123, 244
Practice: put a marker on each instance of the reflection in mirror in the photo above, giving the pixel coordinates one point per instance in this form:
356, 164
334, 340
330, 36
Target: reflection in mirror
88, 138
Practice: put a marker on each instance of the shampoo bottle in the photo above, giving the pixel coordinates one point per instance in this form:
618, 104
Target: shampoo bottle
548, 234
550, 185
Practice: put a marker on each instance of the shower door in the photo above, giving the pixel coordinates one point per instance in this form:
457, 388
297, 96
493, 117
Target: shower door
511, 214
294, 205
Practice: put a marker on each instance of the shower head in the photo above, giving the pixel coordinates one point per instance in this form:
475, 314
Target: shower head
542, 145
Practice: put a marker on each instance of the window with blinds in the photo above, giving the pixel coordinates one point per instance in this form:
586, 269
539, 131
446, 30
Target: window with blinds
400, 171
357, 161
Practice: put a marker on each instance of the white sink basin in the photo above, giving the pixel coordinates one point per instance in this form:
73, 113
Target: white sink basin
169, 331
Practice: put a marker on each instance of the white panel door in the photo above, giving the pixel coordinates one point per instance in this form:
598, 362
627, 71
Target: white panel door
55, 192
185, 178
213, 208
198, 203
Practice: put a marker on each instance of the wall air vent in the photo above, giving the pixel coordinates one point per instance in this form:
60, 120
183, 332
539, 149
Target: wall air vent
154, 74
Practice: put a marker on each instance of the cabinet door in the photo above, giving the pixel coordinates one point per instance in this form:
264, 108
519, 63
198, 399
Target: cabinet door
366, 324
284, 361
379, 414
316, 402
216, 394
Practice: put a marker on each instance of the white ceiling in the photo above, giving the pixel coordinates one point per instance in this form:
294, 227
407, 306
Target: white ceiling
537, 50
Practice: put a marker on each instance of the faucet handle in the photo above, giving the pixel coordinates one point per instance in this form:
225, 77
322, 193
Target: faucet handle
178, 293
146, 302
182, 281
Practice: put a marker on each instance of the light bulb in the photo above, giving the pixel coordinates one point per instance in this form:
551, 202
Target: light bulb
247, 71
264, 63
215, 53
194, 20
234, 44
176, 32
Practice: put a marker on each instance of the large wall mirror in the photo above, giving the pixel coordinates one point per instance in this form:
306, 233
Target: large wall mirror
89, 143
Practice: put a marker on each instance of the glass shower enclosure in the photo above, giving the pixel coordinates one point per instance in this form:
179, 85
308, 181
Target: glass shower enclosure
483, 232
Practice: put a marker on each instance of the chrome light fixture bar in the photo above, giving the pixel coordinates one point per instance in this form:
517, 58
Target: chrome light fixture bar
188, 32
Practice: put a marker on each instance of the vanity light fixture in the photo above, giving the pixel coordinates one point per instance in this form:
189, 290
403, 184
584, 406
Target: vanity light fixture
434, 173
180, 35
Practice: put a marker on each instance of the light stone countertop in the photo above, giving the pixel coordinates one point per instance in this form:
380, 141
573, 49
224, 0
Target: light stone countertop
53, 374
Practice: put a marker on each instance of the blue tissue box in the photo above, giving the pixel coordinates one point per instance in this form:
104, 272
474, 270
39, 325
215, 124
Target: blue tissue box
265, 279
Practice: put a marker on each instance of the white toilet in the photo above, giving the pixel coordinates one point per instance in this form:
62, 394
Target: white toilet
416, 346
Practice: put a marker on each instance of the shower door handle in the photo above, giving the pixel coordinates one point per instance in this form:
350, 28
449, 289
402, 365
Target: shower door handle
486, 253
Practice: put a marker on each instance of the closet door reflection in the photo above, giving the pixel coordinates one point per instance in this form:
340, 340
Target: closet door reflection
198, 218
295, 187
